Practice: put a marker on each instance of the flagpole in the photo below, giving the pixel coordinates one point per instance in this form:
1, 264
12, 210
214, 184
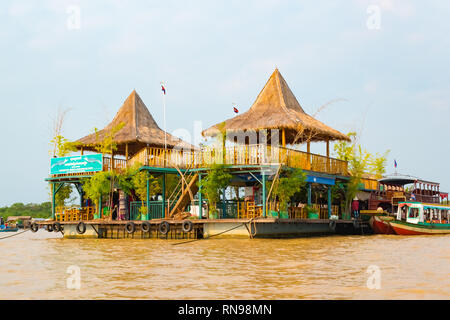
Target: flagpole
165, 129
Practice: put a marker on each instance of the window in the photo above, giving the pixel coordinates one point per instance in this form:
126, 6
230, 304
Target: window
413, 212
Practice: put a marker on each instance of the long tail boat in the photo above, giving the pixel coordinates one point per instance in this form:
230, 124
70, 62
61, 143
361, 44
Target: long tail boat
380, 224
395, 189
415, 218
4, 228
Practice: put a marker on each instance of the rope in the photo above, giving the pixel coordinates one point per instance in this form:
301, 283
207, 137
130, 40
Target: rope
217, 234
16, 234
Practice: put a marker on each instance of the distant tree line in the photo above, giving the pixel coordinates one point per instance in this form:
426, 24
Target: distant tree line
43, 210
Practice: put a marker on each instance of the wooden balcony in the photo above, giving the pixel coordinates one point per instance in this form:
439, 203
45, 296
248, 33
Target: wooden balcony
236, 155
239, 155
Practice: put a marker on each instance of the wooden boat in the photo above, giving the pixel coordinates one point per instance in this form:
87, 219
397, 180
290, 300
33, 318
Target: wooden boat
378, 220
415, 218
9, 229
381, 224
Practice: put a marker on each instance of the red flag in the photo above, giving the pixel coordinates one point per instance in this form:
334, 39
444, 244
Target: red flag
235, 110
163, 89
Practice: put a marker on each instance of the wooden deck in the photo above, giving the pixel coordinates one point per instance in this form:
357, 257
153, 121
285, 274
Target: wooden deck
206, 228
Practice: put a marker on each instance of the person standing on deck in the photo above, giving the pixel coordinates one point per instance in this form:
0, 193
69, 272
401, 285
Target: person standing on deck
355, 208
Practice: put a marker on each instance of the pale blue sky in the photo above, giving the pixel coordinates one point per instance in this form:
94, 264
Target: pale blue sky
395, 80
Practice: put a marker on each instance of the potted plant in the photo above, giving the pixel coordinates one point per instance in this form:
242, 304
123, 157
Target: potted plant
312, 213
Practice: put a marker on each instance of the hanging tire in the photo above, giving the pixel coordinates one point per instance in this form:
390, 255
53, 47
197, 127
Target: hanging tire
34, 227
49, 228
57, 227
164, 228
81, 228
187, 226
130, 227
332, 225
145, 226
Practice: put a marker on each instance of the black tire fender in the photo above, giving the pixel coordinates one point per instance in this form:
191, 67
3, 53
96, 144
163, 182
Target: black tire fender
187, 226
164, 228
50, 228
81, 227
57, 227
34, 227
130, 227
145, 226
332, 225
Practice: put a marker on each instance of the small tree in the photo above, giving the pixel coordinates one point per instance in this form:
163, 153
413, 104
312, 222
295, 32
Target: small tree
108, 145
139, 181
61, 147
97, 186
290, 182
213, 184
378, 164
124, 179
359, 161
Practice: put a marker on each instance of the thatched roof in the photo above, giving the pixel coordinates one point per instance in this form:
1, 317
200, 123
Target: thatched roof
140, 130
276, 108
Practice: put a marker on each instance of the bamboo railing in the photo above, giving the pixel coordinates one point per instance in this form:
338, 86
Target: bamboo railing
239, 155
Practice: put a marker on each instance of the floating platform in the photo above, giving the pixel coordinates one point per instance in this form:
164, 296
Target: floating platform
198, 229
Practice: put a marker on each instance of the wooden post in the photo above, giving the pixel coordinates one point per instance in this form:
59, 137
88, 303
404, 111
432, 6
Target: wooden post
308, 150
148, 198
112, 160
82, 151
99, 213
329, 202
309, 194
164, 195
283, 138
224, 204
328, 156
126, 154
200, 200
53, 200
264, 211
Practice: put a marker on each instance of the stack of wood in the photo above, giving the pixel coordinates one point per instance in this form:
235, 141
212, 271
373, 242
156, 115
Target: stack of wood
181, 215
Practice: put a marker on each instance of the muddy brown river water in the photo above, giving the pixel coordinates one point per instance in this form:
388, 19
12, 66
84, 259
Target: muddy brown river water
38, 266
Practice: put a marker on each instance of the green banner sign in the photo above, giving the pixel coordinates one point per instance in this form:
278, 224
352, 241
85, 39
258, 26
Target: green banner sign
76, 164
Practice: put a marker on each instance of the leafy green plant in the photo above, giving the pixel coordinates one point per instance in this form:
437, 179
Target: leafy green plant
139, 181
290, 182
97, 186
378, 164
124, 178
310, 209
61, 147
360, 161
213, 184
108, 145
62, 197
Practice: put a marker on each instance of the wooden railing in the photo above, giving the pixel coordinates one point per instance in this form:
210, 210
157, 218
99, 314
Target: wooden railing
370, 184
74, 213
239, 155
118, 163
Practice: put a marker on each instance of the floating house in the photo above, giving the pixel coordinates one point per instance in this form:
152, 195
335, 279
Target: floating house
252, 147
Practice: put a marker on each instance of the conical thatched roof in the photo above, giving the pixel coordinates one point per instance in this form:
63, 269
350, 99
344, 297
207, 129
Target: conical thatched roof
139, 130
276, 108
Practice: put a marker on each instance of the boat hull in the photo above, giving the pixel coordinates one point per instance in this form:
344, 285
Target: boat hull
9, 230
380, 224
404, 228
